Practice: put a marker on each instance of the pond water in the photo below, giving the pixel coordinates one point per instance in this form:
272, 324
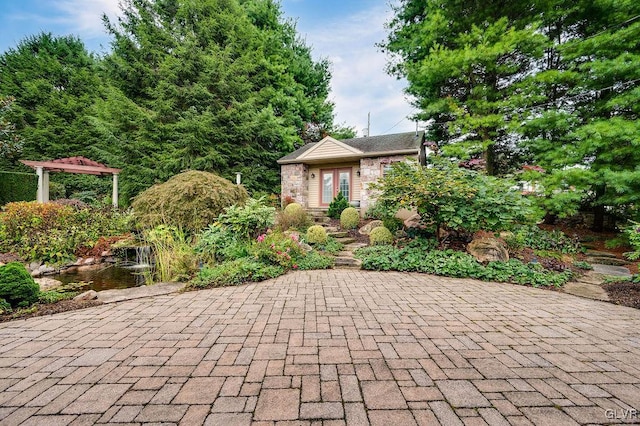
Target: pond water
108, 276
111, 276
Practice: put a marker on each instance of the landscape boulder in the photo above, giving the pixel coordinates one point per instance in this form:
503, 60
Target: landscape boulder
366, 229
87, 295
488, 250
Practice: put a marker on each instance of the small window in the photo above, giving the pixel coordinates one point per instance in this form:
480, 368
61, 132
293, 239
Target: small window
386, 168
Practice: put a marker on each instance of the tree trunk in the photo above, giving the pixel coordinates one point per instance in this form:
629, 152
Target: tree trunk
598, 210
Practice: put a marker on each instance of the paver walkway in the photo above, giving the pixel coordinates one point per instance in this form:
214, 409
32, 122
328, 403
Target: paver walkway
336, 346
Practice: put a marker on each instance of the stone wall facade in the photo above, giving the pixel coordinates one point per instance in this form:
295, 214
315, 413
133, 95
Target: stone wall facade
294, 180
371, 171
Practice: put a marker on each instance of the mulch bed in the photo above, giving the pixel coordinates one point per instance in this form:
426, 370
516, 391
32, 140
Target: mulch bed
51, 308
624, 293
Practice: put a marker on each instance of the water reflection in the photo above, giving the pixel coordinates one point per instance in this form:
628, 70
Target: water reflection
111, 276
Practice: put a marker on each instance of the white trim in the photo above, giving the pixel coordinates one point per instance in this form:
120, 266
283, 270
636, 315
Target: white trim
329, 139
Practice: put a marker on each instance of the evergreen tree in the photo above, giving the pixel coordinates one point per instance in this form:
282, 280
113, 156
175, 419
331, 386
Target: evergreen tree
462, 61
213, 85
54, 82
580, 120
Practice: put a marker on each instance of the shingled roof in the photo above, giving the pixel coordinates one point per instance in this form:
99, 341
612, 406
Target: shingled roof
371, 146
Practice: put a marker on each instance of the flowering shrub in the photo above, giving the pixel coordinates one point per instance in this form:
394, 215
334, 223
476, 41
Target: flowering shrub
279, 249
53, 232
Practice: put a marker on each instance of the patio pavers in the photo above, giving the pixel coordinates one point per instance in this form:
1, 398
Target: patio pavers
328, 347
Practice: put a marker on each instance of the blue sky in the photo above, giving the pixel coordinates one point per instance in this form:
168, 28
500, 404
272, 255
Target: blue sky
344, 31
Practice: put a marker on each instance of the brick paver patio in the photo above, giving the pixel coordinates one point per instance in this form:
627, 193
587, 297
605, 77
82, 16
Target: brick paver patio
328, 348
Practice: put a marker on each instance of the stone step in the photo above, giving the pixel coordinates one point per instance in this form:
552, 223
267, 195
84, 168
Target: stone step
317, 212
585, 290
613, 261
321, 219
617, 271
330, 229
337, 234
346, 240
354, 246
347, 261
595, 253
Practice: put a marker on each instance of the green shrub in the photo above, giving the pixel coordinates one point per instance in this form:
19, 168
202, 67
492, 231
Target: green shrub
377, 211
278, 249
293, 208
293, 218
316, 234
336, 206
314, 260
5, 307
250, 220
392, 223
447, 196
218, 244
190, 201
539, 239
235, 272
633, 234
380, 236
17, 287
349, 218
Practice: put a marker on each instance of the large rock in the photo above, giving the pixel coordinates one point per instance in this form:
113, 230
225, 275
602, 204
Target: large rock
47, 283
488, 250
366, 229
413, 222
87, 295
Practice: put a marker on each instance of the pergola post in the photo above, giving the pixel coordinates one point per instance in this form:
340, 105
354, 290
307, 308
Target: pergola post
40, 193
114, 195
45, 186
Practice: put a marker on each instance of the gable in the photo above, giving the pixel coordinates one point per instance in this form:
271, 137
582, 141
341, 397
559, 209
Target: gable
329, 148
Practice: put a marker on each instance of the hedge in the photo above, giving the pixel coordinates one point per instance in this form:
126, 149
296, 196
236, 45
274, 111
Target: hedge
17, 186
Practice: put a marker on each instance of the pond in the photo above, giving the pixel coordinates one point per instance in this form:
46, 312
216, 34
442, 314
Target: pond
108, 276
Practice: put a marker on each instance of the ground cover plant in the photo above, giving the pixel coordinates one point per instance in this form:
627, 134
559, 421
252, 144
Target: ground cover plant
457, 264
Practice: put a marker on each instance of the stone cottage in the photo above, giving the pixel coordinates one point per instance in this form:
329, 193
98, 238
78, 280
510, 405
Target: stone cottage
315, 173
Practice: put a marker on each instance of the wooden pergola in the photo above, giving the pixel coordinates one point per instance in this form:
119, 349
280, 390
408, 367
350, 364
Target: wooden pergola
79, 165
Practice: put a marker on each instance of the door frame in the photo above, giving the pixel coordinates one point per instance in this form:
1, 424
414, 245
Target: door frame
336, 183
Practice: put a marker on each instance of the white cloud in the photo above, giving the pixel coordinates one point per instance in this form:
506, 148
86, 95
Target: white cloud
85, 16
359, 81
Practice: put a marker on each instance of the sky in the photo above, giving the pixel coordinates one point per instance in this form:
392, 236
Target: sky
343, 31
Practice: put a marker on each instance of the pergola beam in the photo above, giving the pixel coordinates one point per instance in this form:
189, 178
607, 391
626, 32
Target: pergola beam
44, 167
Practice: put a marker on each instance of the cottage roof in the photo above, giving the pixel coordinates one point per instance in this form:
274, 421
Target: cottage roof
371, 146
